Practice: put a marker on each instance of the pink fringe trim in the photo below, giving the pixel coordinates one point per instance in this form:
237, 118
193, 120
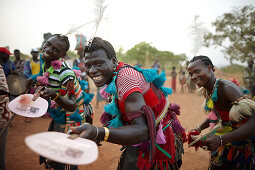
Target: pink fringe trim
56, 64
160, 138
104, 94
212, 116
77, 73
43, 79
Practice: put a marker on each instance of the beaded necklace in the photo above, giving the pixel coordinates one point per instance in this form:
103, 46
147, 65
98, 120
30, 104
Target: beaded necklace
211, 98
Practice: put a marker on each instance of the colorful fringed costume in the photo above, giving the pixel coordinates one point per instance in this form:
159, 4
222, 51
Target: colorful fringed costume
164, 149
56, 79
235, 155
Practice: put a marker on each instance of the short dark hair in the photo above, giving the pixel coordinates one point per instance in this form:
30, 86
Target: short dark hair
99, 44
16, 50
64, 39
206, 60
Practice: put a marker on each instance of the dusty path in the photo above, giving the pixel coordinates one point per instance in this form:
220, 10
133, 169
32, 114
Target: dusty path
19, 157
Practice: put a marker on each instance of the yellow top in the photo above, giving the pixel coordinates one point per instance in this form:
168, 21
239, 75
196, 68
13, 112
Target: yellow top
35, 67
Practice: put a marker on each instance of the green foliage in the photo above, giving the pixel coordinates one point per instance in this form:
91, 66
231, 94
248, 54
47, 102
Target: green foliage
233, 68
235, 32
142, 53
72, 54
121, 55
146, 54
25, 56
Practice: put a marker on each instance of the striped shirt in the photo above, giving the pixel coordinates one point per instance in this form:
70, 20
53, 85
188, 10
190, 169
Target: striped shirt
128, 81
60, 76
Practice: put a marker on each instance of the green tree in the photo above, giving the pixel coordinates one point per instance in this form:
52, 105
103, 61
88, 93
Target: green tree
143, 53
121, 55
235, 33
72, 54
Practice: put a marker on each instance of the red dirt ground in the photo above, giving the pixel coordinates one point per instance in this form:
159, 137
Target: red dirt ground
19, 157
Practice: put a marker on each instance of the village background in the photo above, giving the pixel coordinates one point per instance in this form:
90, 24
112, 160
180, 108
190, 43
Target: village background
231, 34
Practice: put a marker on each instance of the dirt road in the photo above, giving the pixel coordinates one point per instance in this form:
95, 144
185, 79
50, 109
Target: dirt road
19, 157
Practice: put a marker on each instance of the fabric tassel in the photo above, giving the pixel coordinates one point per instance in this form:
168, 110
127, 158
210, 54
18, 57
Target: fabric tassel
166, 91
103, 93
112, 108
87, 97
159, 80
210, 104
148, 74
212, 116
56, 64
76, 116
105, 117
214, 95
58, 116
241, 109
111, 88
177, 128
83, 84
160, 138
175, 108
77, 73
43, 79
116, 122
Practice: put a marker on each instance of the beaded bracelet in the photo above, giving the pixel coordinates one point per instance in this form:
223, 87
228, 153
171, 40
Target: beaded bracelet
106, 133
221, 141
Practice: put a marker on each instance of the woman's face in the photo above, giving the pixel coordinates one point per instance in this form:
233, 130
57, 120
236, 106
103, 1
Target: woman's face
99, 67
199, 73
53, 49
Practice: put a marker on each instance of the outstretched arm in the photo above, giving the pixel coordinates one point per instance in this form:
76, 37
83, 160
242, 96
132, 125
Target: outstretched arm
135, 133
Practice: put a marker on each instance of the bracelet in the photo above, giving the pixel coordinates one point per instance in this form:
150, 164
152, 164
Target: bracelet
56, 96
221, 141
96, 134
106, 133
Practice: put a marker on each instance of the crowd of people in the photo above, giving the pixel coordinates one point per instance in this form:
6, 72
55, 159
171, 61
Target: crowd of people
137, 114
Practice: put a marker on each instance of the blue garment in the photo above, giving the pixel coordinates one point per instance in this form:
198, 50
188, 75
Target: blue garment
27, 68
8, 67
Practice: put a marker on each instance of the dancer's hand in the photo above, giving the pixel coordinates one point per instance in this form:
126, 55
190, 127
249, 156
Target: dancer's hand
212, 142
197, 130
48, 93
87, 131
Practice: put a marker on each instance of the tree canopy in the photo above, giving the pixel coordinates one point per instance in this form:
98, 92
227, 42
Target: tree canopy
145, 54
235, 33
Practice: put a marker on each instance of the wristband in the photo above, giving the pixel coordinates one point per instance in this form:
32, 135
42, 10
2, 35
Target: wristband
56, 96
106, 133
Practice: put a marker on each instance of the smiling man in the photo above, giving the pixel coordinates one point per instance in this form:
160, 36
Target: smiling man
138, 115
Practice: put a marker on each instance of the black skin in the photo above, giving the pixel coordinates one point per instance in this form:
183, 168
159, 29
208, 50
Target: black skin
227, 93
35, 56
17, 55
54, 49
4, 57
97, 64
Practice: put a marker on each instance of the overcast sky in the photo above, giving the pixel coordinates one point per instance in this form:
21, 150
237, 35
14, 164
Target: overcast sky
163, 23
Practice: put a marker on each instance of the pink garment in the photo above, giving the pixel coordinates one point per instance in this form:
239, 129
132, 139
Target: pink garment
130, 80
212, 116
